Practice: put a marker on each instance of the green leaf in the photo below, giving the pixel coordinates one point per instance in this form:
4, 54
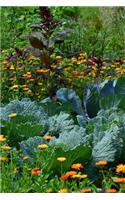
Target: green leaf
79, 154
120, 86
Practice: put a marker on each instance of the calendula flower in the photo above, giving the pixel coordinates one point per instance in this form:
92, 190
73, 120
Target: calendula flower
86, 190
70, 173
77, 166
25, 89
25, 157
35, 171
12, 115
27, 75
42, 70
101, 163
75, 73
42, 146
2, 138
14, 86
58, 57
83, 176
76, 176
40, 83
6, 148
67, 175
11, 67
32, 79
61, 159
119, 180
5, 62
110, 190
120, 168
47, 137
3, 158
64, 190
64, 177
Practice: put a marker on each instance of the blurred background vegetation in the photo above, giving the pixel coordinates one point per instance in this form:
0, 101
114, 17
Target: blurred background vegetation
99, 31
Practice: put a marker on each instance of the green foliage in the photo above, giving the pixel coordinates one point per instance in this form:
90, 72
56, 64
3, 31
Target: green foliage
15, 25
109, 147
57, 124
108, 135
23, 107
48, 158
72, 137
30, 145
20, 128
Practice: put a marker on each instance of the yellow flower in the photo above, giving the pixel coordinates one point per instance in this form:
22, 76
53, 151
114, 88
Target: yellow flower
11, 66
58, 57
120, 168
64, 190
14, 86
61, 159
25, 157
6, 148
3, 158
53, 66
83, 54
40, 83
42, 146
2, 138
12, 115
25, 89
101, 163
76, 176
83, 176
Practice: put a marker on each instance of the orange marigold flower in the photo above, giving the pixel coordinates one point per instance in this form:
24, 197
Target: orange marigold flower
70, 173
101, 163
86, 190
110, 190
42, 146
77, 166
120, 168
35, 171
42, 70
119, 180
12, 115
5, 62
47, 137
76, 73
64, 177
61, 159
6, 148
64, 190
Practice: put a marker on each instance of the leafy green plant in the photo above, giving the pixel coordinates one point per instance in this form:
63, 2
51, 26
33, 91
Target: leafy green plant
20, 128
